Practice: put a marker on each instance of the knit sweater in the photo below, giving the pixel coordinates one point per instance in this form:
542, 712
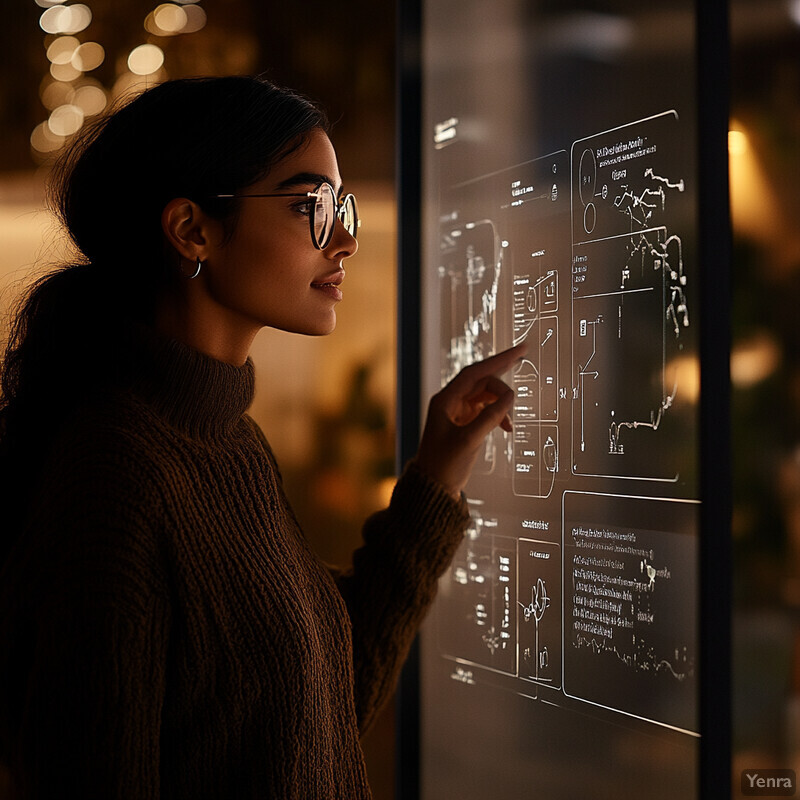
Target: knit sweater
165, 629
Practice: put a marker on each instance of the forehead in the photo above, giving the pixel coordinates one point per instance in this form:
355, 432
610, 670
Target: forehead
307, 166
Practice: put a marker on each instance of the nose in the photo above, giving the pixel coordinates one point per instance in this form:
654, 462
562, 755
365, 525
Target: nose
342, 244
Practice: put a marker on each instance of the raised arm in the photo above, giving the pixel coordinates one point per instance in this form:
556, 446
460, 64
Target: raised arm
409, 546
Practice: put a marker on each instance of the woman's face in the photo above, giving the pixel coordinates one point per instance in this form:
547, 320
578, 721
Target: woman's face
268, 273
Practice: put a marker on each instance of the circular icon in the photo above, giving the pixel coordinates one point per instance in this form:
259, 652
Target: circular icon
589, 217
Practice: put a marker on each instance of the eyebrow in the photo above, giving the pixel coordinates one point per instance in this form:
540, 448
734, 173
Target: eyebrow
312, 179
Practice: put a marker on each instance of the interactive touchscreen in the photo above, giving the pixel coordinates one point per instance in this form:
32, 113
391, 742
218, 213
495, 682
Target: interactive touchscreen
560, 209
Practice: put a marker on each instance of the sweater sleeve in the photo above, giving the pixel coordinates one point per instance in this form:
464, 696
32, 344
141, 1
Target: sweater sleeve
85, 634
393, 581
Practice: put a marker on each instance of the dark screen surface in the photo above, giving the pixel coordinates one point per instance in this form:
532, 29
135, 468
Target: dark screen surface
560, 208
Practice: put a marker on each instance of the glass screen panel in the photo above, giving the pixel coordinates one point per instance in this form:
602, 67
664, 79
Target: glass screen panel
560, 208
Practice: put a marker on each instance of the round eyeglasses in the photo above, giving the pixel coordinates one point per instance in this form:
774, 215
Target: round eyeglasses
323, 212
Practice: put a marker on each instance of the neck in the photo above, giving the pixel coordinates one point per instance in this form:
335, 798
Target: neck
193, 318
197, 394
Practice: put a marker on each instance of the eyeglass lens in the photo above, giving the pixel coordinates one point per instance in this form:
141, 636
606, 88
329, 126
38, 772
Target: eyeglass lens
325, 215
349, 215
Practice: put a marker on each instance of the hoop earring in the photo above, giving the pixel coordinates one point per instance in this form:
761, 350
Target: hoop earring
197, 271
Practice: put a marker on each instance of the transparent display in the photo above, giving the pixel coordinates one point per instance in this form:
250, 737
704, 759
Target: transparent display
560, 209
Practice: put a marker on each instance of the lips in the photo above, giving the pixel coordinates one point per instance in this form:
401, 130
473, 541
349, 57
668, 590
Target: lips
334, 279
329, 284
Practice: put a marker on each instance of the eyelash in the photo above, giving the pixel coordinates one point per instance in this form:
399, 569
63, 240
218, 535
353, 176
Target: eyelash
304, 207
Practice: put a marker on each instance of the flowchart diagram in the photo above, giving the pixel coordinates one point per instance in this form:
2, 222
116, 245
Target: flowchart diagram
575, 580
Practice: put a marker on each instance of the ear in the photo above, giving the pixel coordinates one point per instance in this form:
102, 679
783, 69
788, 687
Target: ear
187, 228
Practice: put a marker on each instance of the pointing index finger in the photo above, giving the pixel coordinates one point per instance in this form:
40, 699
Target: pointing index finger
494, 365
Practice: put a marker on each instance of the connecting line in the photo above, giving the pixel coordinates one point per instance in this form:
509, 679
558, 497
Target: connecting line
582, 373
631, 202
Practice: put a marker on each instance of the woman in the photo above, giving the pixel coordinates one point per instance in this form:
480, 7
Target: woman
165, 630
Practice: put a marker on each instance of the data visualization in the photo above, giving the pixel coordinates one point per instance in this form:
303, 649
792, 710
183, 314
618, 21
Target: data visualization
576, 585
560, 209
630, 299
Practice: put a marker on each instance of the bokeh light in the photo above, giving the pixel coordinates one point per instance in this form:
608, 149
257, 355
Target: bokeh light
65, 120
170, 18
196, 18
66, 19
88, 56
755, 359
685, 372
737, 142
91, 98
145, 59
794, 11
55, 93
68, 94
62, 49
64, 72
43, 140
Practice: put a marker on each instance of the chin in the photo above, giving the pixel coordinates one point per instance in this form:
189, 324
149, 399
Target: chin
327, 331
318, 329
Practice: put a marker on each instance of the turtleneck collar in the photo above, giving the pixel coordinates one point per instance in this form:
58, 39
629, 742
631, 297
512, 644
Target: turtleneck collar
196, 393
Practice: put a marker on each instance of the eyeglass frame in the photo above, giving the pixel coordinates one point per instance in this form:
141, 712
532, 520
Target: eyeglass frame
337, 207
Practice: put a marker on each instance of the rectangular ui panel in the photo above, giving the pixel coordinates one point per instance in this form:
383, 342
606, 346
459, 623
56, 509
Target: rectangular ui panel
560, 209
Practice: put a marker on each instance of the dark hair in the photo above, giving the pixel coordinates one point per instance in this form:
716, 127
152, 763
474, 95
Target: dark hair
190, 138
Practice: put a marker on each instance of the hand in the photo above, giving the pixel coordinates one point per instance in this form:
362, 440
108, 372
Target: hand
460, 417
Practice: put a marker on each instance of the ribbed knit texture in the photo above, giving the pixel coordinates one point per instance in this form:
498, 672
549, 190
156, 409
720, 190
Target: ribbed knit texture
166, 631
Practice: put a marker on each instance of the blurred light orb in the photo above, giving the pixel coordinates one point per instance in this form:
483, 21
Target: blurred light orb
62, 49
65, 19
47, 3
55, 94
151, 27
794, 11
195, 19
55, 19
90, 99
737, 142
754, 360
43, 140
88, 56
170, 18
66, 120
64, 72
145, 59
